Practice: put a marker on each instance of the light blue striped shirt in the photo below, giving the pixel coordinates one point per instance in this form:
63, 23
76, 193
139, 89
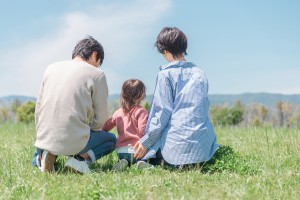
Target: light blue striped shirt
178, 121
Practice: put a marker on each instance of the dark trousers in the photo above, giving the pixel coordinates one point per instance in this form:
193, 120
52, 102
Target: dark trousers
159, 160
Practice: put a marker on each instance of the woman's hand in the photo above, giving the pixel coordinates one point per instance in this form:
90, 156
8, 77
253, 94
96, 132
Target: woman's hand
140, 150
85, 156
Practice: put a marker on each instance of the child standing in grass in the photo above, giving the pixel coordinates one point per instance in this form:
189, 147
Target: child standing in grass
130, 120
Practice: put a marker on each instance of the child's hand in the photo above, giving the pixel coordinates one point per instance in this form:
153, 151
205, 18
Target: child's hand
140, 150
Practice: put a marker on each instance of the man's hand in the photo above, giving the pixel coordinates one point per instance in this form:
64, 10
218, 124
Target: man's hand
140, 150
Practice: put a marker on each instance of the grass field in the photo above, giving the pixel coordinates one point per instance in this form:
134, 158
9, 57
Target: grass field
253, 163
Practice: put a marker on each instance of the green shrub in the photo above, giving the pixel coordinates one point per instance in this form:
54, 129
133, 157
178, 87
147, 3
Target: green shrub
221, 115
147, 106
25, 113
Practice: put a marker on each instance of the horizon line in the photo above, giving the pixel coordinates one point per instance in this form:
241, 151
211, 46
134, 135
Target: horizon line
150, 94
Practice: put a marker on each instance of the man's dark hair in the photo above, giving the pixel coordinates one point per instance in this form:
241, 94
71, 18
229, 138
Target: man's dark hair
173, 40
86, 47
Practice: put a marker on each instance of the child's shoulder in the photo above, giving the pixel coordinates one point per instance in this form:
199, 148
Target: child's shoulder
140, 109
119, 111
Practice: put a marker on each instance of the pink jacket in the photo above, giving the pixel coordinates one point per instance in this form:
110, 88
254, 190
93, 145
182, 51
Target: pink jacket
130, 126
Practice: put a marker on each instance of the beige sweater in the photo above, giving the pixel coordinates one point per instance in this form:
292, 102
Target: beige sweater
71, 102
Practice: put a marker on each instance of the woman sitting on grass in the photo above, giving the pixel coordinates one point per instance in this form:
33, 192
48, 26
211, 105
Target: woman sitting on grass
130, 120
179, 131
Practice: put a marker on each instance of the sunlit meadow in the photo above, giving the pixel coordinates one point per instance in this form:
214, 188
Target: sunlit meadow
252, 163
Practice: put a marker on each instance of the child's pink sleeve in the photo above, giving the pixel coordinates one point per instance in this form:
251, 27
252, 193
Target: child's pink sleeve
142, 121
109, 124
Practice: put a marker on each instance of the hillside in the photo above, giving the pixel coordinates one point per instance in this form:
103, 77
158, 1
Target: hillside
6, 101
267, 99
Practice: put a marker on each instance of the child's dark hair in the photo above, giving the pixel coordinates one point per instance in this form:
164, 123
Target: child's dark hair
133, 92
85, 47
173, 40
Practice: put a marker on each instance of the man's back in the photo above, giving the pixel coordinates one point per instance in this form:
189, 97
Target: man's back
72, 100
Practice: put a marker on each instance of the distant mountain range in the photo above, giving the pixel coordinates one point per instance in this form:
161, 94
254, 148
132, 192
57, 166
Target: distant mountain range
8, 100
267, 99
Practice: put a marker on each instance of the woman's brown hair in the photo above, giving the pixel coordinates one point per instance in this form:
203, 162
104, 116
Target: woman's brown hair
133, 92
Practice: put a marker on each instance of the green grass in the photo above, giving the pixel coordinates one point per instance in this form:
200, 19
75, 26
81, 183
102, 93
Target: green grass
253, 163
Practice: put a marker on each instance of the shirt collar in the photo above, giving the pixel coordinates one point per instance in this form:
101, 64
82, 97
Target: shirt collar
173, 64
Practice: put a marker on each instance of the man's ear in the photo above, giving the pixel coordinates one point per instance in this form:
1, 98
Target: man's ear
94, 54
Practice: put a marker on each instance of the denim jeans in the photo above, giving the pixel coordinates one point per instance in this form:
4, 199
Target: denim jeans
100, 144
127, 156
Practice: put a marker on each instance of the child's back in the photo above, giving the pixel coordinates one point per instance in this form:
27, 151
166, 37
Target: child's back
130, 125
130, 120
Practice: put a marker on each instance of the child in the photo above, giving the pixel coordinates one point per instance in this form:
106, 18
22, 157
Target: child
179, 131
130, 121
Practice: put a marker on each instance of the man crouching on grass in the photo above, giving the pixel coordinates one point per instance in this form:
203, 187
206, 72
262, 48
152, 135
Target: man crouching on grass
70, 110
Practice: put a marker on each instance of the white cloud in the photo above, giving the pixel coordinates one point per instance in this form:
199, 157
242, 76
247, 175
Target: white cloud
122, 29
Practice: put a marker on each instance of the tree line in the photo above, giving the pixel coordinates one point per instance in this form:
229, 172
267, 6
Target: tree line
18, 112
283, 114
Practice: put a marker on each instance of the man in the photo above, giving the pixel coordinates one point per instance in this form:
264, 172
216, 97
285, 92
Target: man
70, 110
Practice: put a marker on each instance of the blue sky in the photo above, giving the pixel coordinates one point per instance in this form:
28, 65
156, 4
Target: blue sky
243, 46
